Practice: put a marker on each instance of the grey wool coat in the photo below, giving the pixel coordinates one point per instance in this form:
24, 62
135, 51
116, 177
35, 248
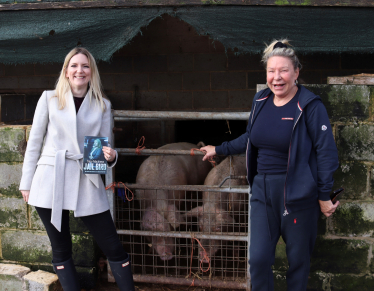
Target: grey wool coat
53, 172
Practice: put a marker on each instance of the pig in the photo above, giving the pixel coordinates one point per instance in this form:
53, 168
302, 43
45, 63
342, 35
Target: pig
216, 214
160, 208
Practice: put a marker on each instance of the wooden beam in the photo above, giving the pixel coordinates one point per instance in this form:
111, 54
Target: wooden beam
360, 79
72, 4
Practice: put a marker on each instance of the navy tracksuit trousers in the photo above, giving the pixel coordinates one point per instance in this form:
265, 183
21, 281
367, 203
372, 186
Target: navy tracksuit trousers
298, 230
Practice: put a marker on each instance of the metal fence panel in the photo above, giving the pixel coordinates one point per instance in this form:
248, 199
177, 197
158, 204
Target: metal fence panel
210, 249
224, 243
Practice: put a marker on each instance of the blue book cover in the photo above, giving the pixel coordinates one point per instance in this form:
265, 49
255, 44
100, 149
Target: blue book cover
93, 156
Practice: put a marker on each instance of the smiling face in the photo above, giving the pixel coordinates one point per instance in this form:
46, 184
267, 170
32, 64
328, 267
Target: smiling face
281, 76
78, 72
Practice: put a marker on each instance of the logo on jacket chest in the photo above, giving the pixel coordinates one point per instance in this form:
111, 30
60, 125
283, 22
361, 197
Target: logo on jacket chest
287, 118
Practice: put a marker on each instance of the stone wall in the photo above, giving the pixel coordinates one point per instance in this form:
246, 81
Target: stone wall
23, 239
343, 255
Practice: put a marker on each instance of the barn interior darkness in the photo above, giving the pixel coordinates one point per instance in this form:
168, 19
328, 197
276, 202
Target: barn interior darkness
170, 67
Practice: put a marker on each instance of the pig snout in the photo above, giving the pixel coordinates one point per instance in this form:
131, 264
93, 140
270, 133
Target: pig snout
166, 256
154, 221
165, 248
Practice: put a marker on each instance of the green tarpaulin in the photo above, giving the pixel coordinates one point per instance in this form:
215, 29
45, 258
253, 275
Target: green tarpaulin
41, 36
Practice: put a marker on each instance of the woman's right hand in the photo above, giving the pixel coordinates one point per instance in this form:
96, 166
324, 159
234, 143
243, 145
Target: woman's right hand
25, 195
209, 150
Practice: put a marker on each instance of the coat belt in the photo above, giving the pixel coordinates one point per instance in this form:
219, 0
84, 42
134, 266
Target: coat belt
59, 180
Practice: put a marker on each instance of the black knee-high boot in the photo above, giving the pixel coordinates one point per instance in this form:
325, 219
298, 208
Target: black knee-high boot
122, 273
67, 275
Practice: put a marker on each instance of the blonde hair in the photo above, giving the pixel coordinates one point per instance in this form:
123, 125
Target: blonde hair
99, 141
287, 52
94, 89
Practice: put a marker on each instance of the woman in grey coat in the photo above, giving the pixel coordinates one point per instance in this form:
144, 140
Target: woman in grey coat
52, 178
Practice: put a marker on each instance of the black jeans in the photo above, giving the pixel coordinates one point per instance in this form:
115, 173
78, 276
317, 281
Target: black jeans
100, 225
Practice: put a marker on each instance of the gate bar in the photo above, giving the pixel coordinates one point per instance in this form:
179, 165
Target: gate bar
237, 189
159, 152
222, 236
123, 115
232, 177
189, 281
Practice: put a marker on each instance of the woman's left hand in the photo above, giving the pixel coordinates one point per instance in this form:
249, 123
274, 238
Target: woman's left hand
109, 154
327, 207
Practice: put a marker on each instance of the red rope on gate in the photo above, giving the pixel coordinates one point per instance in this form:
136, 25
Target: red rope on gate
114, 185
192, 151
140, 147
210, 159
201, 261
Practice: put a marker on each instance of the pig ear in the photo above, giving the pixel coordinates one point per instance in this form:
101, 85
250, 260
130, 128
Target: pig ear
194, 212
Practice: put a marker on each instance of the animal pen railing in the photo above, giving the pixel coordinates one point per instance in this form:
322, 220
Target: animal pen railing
226, 246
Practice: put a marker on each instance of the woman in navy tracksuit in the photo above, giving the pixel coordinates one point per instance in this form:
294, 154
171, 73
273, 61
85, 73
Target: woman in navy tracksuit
291, 158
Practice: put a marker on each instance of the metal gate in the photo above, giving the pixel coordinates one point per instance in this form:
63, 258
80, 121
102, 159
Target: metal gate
202, 255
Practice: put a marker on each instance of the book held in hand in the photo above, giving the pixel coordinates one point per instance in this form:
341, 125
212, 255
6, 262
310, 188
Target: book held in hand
93, 156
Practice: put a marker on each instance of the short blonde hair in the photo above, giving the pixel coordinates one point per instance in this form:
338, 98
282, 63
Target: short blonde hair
287, 52
95, 88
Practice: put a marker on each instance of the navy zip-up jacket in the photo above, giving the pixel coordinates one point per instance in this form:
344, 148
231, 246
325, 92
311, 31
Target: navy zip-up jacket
312, 155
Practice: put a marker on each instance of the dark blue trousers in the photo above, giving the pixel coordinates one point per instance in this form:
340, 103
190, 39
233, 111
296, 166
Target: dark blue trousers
298, 230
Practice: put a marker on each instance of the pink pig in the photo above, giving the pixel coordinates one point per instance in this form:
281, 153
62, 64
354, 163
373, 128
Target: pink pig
160, 208
216, 215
